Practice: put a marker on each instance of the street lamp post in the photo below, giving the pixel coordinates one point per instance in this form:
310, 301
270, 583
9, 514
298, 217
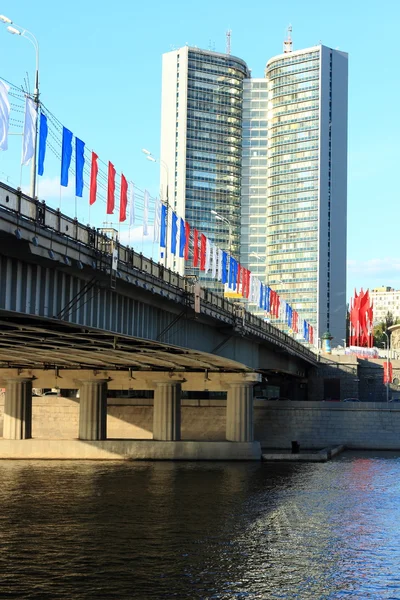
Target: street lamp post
152, 158
225, 220
388, 365
15, 29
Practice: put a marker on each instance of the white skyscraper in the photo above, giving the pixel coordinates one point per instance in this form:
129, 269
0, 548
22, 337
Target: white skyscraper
307, 184
260, 167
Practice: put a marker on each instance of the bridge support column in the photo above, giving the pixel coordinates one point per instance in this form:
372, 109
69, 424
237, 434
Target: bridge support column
93, 410
239, 412
18, 409
167, 411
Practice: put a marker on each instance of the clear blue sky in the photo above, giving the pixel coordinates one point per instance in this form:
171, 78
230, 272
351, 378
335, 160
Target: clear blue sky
100, 70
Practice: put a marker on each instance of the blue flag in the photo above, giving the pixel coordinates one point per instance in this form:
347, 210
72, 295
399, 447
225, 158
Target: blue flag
267, 299
42, 143
174, 232
66, 154
79, 164
182, 237
163, 229
224, 267
261, 303
305, 330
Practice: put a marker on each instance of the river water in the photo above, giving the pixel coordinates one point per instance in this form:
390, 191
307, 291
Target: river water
81, 530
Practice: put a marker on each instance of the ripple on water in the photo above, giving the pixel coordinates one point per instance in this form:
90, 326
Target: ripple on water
85, 530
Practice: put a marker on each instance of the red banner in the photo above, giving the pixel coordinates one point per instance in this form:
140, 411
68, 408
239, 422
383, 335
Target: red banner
387, 372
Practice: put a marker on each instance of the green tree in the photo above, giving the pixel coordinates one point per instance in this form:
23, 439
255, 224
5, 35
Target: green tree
379, 336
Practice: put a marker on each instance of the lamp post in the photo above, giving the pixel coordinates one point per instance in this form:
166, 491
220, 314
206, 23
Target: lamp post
225, 220
153, 159
388, 365
15, 29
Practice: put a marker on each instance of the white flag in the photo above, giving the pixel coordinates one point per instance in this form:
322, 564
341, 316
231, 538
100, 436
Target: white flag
214, 261
4, 115
219, 264
157, 221
208, 255
146, 213
28, 144
131, 205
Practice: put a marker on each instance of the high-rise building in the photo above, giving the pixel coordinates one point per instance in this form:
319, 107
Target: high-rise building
307, 183
201, 142
260, 167
253, 242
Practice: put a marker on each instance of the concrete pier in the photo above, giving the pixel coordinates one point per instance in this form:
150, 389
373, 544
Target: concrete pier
18, 409
239, 413
93, 410
167, 411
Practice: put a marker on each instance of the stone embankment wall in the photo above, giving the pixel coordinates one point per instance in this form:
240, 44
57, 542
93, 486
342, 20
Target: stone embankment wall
276, 423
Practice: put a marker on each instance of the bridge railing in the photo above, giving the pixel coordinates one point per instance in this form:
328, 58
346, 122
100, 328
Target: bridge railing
41, 215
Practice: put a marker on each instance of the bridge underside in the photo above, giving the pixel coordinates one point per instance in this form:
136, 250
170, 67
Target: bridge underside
29, 342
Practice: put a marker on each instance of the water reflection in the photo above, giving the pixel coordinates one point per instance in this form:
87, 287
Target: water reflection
206, 530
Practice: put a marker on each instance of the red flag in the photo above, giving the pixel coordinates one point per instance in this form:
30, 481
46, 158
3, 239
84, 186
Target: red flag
277, 304
387, 372
203, 245
239, 278
124, 199
111, 189
247, 282
187, 239
195, 248
94, 169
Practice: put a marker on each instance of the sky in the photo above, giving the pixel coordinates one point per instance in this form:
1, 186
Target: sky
100, 75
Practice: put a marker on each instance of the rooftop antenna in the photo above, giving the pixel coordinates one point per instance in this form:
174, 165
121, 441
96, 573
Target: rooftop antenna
228, 41
288, 44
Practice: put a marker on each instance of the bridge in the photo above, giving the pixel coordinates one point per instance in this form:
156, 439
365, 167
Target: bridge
80, 310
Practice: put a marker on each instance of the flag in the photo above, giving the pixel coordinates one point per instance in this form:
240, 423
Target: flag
214, 262
29, 139
4, 115
156, 229
79, 162
187, 240
182, 237
123, 201
239, 277
174, 232
42, 143
94, 169
146, 198
233, 273
387, 372
261, 299
208, 255
203, 245
219, 277
163, 229
305, 330
66, 155
224, 269
131, 205
195, 248
111, 189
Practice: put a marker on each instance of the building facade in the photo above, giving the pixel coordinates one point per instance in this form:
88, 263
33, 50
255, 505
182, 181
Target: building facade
201, 142
386, 299
307, 184
260, 167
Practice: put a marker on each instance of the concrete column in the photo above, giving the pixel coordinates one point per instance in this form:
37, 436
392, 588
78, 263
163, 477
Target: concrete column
167, 411
239, 413
18, 409
93, 410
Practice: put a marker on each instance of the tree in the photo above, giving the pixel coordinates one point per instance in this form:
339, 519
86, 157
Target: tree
379, 336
